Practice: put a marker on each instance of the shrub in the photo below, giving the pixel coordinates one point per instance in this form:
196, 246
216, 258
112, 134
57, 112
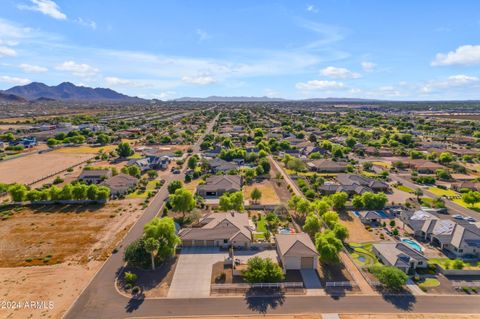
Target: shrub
130, 277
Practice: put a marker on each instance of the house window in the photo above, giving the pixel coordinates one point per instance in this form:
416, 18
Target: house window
420, 262
460, 250
225, 241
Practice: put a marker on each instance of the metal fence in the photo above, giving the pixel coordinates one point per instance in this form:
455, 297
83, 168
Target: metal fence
343, 284
463, 283
241, 288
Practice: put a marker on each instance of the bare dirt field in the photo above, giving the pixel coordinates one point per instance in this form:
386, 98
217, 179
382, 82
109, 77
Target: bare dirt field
269, 195
56, 234
356, 230
30, 168
61, 284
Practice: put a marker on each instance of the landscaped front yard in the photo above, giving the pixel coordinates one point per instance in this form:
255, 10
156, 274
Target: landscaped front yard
447, 263
144, 194
363, 255
442, 192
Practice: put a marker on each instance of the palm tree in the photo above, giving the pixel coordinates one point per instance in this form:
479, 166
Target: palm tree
151, 246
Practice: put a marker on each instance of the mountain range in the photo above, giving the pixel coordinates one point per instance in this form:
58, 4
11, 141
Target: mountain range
65, 91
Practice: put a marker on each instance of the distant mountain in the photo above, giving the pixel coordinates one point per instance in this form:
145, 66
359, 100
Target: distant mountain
230, 99
6, 97
67, 91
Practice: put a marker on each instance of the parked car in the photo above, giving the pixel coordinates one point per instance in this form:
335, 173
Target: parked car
457, 216
470, 219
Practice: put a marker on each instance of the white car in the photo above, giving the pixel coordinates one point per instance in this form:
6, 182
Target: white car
470, 219
457, 216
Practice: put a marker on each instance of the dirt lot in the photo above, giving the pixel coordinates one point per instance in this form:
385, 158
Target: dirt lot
60, 284
269, 194
30, 168
56, 234
356, 230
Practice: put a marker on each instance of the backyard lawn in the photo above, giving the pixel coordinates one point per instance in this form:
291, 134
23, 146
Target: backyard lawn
363, 255
429, 283
447, 263
385, 165
406, 189
442, 192
139, 194
261, 227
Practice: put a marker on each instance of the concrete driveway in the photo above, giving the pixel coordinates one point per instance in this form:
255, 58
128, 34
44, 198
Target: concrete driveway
194, 271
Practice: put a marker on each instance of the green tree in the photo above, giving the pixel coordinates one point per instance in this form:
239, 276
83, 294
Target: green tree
390, 276
92, 192
124, 150
18, 192
256, 194
312, 225
340, 231
136, 254
152, 174
471, 198
163, 230
103, 139
445, 158
173, 186
338, 200
192, 162
328, 246
152, 246
182, 201
262, 271
231, 201
330, 218
79, 191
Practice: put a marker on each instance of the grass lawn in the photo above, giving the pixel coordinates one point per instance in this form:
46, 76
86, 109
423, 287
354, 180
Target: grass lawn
85, 149
429, 283
383, 164
442, 192
369, 174
139, 194
307, 174
460, 202
192, 186
269, 196
135, 156
363, 255
406, 189
447, 263
426, 201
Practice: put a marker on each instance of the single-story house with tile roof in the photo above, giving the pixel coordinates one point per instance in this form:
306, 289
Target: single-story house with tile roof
94, 176
120, 184
399, 255
219, 230
423, 166
325, 165
296, 251
216, 186
218, 165
370, 217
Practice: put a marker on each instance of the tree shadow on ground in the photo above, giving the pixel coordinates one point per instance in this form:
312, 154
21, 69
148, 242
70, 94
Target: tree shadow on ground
261, 301
402, 299
135, 302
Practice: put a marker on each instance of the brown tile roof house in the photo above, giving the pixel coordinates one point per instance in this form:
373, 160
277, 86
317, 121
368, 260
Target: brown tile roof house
354, 184
423, 166
296, 251
120, 184
221, 230
94, 176
325, 165
217, 185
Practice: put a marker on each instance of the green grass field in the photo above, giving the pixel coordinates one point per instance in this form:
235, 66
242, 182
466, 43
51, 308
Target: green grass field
363, 255
406, 189
442, 192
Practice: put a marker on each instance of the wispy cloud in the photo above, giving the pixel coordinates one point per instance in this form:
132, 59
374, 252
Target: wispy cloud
78, 69
454, 81
202, 35
199, 80
14, 80
339, 73
86, 23
466, 54
29, 68
368, 66
7, 51
319, 85
312, 8
47, 7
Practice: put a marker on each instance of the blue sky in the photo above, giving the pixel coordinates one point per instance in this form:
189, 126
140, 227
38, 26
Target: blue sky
398, 50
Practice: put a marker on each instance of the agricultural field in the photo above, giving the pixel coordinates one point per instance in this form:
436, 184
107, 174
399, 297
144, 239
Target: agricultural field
28, 169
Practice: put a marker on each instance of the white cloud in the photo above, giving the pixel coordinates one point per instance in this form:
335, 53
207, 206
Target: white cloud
14, 80
466, 54
368, 66
82, 70
312, 8
86, 23
319, 85
47, 7
198, 80
6, 51
29, 68
454, 81
341, 73
202, 35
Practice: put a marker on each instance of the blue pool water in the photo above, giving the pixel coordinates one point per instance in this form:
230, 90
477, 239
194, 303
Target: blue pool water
380, 213
412, 244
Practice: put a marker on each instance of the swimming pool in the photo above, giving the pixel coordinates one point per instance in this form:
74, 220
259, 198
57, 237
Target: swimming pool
413, 244
380, 213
